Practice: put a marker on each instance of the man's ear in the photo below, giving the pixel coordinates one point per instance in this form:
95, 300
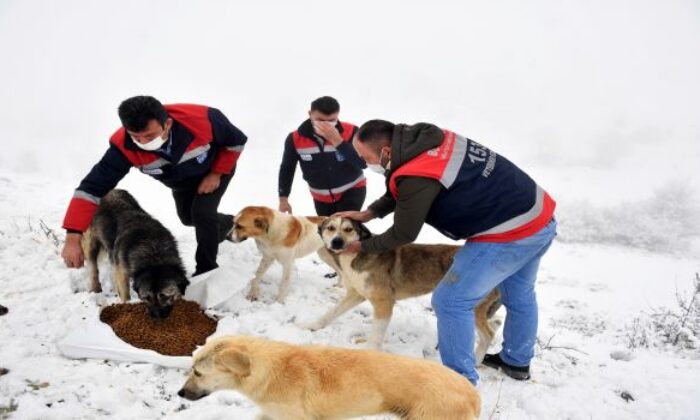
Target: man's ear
261, 223
233, 360
361, 230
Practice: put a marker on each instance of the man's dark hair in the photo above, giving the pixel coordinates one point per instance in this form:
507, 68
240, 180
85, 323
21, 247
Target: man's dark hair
375, 133
136, 112
325, 105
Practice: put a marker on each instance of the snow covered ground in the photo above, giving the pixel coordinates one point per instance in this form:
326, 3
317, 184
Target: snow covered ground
598, 101
589, 295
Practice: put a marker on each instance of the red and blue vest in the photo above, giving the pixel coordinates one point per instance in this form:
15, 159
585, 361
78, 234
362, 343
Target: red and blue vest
323, 168
486, 198
202, 141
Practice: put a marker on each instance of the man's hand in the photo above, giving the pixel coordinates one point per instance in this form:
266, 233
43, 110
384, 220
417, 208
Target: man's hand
360, 216
328, 131
209, 183
72, 251
284, 206
353, 248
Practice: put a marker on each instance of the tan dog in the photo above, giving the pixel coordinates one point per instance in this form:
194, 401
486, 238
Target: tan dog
409, 271
312, 382
280, 237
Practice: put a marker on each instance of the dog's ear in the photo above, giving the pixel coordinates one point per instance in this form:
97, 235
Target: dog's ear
261, 223
182, 283
233, 360
361, 230
322, 226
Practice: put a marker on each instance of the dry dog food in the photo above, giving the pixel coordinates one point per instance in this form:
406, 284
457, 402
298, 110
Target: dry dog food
178, 335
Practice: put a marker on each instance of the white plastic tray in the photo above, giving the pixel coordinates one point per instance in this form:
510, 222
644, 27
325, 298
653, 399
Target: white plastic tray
94, 339
214, 287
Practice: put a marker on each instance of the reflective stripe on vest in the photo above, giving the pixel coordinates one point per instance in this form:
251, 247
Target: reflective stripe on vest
334, 194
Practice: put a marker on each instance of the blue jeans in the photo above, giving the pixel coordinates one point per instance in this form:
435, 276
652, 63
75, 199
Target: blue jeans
478, 268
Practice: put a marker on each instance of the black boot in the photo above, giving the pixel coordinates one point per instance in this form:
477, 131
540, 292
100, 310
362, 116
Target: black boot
519, 373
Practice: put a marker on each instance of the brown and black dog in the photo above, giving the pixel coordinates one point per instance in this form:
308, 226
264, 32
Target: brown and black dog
139, 247
408, 271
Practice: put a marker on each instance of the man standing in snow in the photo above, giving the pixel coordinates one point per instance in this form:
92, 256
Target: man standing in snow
192, 149
465, 191
330, 165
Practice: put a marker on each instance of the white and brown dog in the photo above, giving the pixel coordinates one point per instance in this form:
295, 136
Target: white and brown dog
292, 382
280, 237
408, 271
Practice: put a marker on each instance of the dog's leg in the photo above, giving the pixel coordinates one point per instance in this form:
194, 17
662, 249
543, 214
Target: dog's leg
91, 250
265, 263
326, 257
120, 277
383, 309
273, 411
287, 267
351, 299
485, 326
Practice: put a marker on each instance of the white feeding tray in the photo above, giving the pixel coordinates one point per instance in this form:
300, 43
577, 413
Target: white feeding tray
96, 340
214, 287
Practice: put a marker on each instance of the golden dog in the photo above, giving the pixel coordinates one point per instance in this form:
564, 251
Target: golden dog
292, 382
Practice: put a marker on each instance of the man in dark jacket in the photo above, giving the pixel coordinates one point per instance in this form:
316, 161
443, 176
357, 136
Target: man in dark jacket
322, 145
192, 149
465, 191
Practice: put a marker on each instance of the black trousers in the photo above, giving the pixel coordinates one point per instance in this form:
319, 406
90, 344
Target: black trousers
201, 211
352, 199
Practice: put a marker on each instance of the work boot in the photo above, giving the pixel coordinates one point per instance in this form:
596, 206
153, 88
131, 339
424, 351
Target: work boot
519, 373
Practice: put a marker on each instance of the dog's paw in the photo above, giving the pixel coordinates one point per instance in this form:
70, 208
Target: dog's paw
95, 288
280, 299
100, 300
358, 339
311, 326
252, 295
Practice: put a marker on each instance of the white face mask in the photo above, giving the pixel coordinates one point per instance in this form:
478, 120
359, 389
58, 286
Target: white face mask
377, 167
152, 145
315, 123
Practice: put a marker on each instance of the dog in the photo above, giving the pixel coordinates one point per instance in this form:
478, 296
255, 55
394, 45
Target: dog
291, 382
408, 271
139, 247
279, 237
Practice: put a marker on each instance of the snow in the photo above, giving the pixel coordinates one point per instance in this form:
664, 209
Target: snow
597, 101
588, 295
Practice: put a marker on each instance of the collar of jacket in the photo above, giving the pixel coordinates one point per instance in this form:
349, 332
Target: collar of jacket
409, 141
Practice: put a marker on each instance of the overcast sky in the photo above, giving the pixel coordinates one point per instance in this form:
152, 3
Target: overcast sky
554, 85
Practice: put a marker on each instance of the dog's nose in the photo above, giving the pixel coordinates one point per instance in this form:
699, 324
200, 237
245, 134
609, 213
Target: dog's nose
181, 393
159, 312
337, 243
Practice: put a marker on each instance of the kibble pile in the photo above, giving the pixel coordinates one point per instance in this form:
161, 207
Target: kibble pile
178, 335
